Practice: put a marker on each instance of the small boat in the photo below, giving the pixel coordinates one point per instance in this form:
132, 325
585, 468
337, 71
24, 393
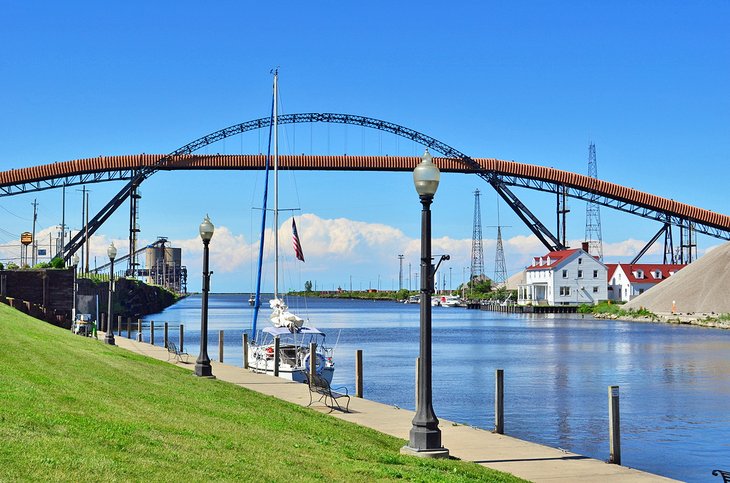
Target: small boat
451, 301
413, 299
251, 300
294, 336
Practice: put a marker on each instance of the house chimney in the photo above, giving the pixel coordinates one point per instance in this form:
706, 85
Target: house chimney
584, 246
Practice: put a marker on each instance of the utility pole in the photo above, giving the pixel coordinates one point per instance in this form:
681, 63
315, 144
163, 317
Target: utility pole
400, 272
34, 245
83, 218
86, 227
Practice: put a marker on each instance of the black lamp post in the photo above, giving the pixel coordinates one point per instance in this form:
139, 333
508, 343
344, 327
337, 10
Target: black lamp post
425, 435
109, 337
202, 364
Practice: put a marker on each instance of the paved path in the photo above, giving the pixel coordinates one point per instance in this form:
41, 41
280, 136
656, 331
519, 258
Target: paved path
527, 460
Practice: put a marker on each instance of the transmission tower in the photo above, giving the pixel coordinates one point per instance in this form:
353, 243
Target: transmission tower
500, 267
593, 212
477, 252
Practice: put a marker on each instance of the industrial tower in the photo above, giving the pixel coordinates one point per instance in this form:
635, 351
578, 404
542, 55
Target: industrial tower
593, 213
477, 252
500, 267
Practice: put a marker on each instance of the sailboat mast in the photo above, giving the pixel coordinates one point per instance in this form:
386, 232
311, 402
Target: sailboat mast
276, 185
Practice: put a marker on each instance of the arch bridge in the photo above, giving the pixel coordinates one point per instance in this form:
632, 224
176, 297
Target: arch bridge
500, 174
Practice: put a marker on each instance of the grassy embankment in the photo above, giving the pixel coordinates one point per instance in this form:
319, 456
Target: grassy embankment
74, 409
613, 309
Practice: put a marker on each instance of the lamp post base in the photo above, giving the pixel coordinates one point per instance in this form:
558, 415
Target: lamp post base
204, 370
109, 339
425, 453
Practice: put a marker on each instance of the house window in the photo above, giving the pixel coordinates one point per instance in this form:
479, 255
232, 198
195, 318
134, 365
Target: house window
565, 274
580, 260
580, 273
564, 291
595, 273
595, 289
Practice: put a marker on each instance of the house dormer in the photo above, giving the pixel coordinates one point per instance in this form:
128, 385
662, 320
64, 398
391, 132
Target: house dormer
657, 274
639, 274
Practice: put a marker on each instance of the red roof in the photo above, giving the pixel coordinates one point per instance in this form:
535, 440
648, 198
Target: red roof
647, 268
555, 258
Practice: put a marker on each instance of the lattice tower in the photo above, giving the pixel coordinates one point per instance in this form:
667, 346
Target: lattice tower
500, 267
593, 212
477, 252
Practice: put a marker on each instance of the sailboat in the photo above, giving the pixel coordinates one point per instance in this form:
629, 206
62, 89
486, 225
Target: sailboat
295, 337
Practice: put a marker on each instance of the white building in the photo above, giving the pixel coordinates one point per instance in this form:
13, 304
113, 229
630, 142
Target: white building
565, 277
626, 281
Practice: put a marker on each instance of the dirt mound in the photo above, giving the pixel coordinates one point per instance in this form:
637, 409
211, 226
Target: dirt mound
701, 287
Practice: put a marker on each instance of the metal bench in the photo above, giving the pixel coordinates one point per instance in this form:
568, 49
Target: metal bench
173, 351
725, 475
319, 385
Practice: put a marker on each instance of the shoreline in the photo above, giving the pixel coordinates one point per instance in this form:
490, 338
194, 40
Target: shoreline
700, 320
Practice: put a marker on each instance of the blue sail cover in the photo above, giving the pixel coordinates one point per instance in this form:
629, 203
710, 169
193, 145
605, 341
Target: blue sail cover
285, 330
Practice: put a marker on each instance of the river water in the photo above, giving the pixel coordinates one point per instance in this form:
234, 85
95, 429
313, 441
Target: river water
674, 380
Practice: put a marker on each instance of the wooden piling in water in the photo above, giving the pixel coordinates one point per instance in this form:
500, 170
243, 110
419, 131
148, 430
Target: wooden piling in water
129, 327
277, 356
312, 360
165, 335
245, 350
119, 325
358, 373
614, 426
499, 402
181, 338
139, 330
152, 332
220, 346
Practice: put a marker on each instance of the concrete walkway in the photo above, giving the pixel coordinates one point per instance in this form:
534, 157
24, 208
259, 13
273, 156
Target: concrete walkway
527, 460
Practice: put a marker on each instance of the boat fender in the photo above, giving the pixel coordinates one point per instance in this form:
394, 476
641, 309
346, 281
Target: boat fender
320, 362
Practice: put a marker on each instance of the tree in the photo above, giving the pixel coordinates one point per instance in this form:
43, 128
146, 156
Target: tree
58, 262
308, 286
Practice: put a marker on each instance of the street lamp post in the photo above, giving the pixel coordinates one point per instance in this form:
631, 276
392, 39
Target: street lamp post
75, 262
425, 435
109, 337
202, 364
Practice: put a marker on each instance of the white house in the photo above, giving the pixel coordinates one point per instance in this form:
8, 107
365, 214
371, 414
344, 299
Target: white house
626, 281
565, 277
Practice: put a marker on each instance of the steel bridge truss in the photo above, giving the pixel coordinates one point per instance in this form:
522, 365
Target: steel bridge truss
499, 182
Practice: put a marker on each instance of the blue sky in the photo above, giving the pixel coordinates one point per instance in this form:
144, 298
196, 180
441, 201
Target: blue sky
533, 82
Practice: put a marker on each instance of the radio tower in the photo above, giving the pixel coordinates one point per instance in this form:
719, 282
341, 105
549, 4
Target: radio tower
500, 268
593, 213
477, 252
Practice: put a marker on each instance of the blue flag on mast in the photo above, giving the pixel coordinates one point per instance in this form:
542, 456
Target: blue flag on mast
295, 240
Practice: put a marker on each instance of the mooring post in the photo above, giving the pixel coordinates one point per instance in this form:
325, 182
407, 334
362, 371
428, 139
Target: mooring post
103, 322
165, 335
358, 373
182, 338
119, 325
152, 332
245, 350
139, 330
277, 357
499, 402
312, 360
220, 346
129, 327
614, 423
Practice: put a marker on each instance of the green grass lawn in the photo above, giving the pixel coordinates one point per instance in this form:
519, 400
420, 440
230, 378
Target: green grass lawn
74, 409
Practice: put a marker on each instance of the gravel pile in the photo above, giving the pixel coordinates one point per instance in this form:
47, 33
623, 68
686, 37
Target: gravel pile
701, 287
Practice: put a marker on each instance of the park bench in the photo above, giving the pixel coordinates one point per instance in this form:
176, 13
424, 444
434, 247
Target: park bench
725, 475
319, 385
173, 351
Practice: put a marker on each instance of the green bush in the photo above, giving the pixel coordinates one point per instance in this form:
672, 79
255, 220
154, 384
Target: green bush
58, 262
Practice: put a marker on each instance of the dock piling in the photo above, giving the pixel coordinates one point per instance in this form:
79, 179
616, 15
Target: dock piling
165, 335
119, 325
245, 350
220, 346
614, 423
499, 402
277, 356
358, 373
139, 330
312, 360
181, 338
152, 332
